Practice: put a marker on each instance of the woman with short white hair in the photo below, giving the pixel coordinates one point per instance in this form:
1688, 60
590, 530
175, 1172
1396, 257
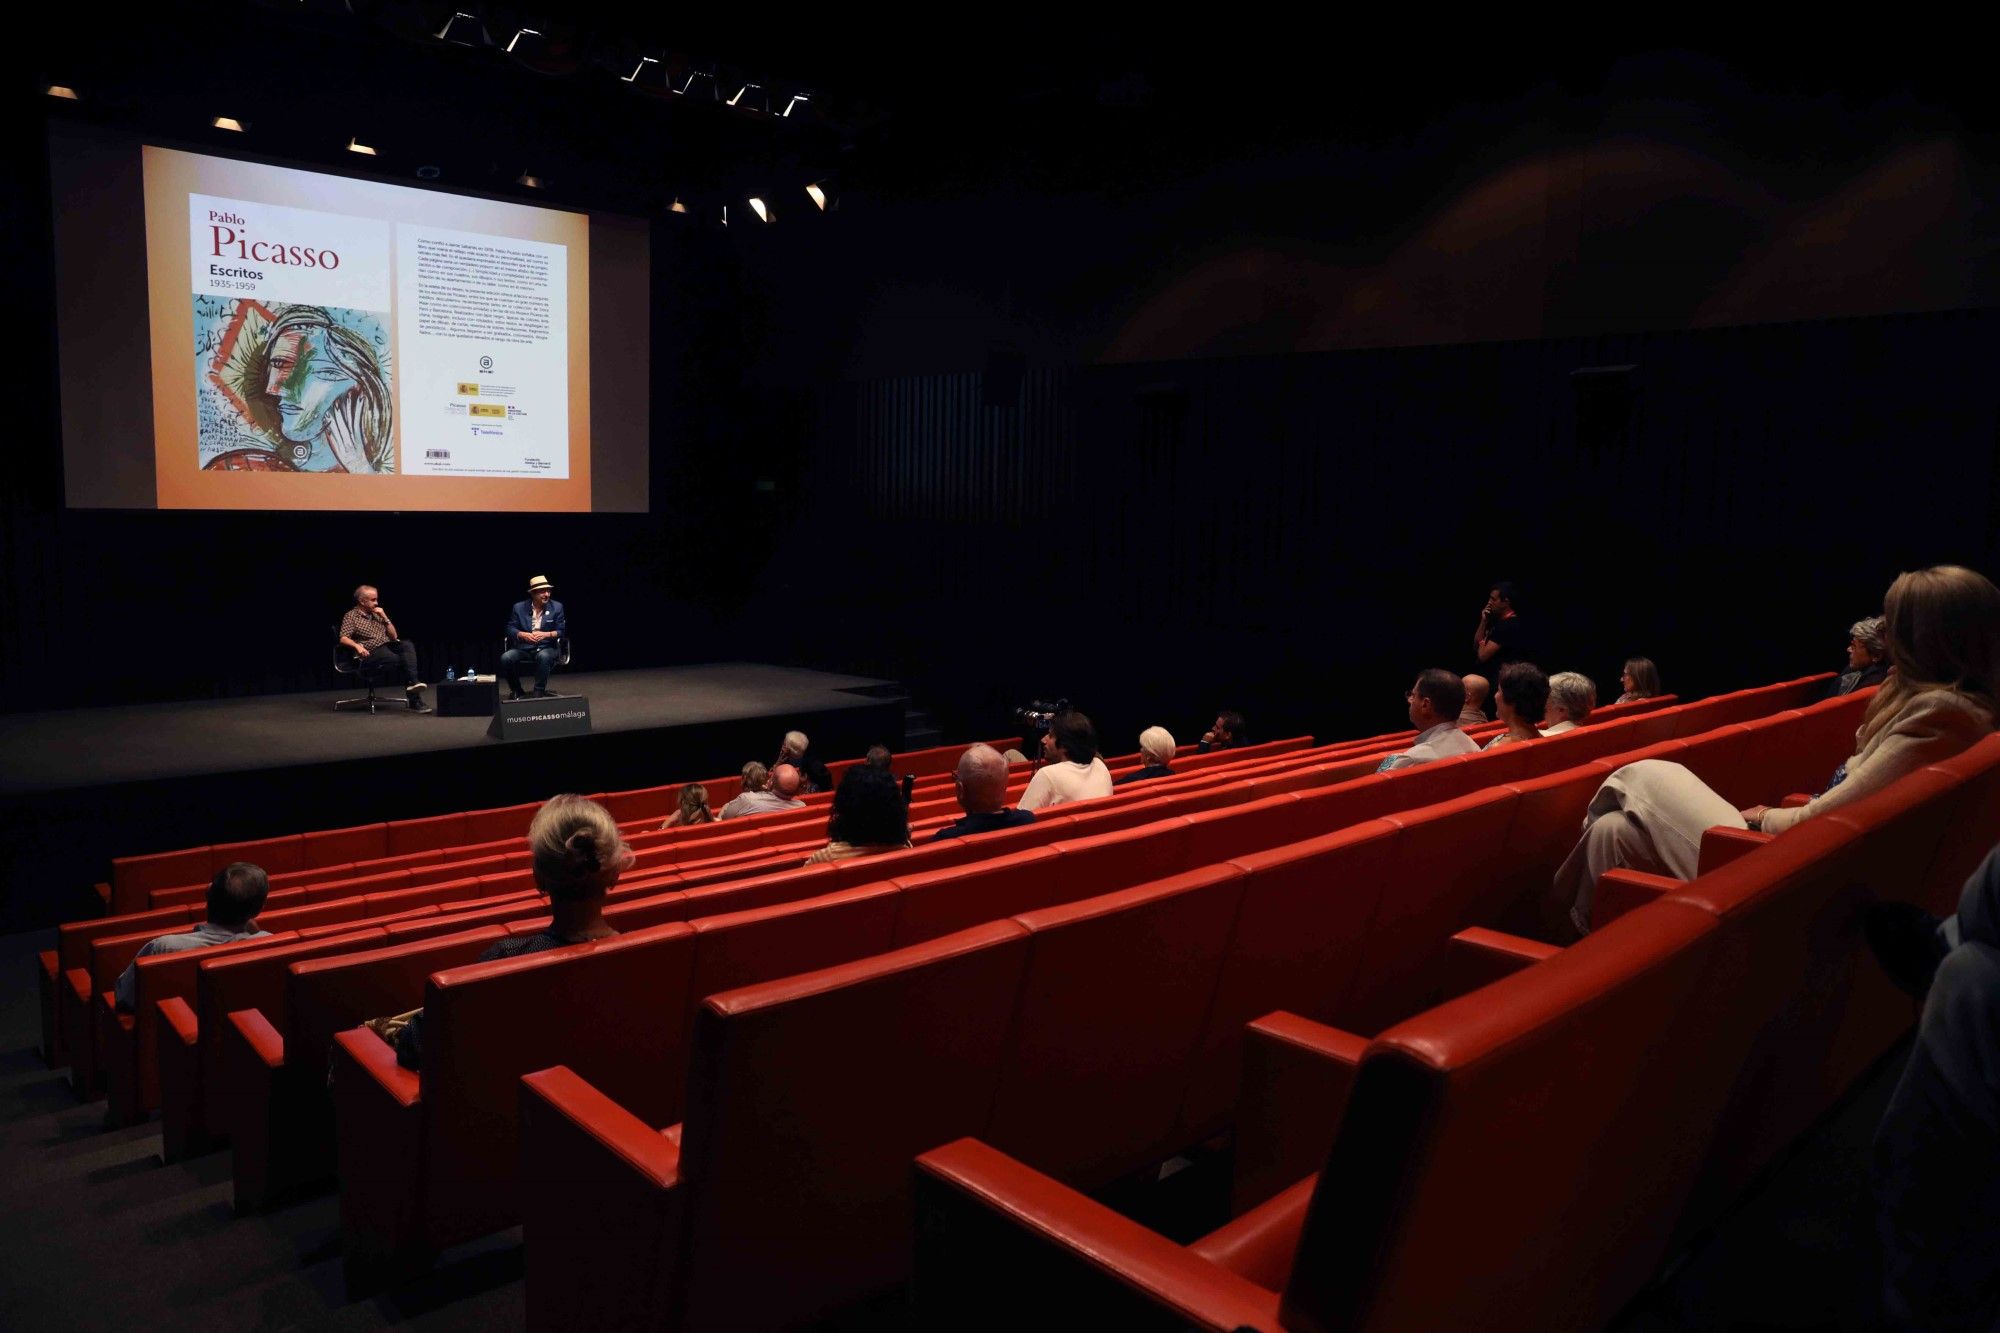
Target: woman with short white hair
1571, 697
1156, 748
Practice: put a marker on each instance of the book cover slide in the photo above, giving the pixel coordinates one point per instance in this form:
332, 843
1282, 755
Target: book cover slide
482, 323
293, 365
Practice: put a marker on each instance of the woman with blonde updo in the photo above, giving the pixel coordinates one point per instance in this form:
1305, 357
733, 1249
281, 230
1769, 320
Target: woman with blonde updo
578, 855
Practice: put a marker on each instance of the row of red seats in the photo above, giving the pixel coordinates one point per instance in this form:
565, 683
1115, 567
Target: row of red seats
452, 1113
1522, 1158
133, 1057
184, 1113
133, 877
172, 1003
1091, 1040
90, 954
714, 838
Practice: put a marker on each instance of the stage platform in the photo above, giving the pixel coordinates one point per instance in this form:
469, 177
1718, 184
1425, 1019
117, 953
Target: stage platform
79, 786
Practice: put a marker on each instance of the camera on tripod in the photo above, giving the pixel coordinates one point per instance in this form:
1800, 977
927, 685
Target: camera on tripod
1036, 717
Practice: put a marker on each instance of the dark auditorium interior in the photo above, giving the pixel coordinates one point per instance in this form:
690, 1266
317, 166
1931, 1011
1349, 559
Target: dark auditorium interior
940, 381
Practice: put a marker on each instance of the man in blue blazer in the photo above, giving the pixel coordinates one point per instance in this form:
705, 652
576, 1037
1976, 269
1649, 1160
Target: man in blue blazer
534, 633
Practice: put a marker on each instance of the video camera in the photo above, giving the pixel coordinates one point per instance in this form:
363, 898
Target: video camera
1036, 717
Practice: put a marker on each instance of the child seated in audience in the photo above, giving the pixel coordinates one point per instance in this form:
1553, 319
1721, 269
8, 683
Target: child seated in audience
869, 816
578, 855
1943, 638
693, 808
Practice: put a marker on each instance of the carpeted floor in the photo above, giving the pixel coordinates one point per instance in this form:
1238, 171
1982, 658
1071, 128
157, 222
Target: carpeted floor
102, 1235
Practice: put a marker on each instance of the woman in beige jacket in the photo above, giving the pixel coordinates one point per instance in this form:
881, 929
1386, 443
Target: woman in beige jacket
1943, 630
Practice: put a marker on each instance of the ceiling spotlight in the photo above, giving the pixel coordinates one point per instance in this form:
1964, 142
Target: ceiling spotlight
532, 39
821, 193
532, 182
464, 29
639, 69
751, 97
760, 208
797, 100
677, 206
699, 83
63, 91
725, 215
228, 123
356, 146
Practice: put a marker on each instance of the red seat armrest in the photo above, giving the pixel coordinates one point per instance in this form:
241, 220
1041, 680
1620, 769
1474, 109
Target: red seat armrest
1622, 891
1796, 799
1722, 845
1296, 1078
995, 1236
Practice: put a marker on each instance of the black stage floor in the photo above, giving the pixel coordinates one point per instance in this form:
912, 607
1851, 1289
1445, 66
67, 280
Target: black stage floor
80, 786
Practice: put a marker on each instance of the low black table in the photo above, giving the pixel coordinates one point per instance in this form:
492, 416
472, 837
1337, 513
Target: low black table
468, 698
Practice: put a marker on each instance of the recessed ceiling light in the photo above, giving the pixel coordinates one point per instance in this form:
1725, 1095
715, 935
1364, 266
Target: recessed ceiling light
63, 91
228, 123
356, 146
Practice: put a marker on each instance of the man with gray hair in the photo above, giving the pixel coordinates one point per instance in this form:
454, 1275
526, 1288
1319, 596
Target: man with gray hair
764, 791
1571, 697
981, 783
1156, 747
1867, 658
793, 751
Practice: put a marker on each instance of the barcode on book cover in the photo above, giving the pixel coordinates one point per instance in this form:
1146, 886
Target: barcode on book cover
437, 453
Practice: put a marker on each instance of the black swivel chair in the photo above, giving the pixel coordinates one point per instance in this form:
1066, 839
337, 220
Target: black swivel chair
370, 672
562, 653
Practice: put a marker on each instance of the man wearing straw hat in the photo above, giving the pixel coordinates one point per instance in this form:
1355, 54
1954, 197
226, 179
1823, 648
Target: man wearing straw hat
534, 633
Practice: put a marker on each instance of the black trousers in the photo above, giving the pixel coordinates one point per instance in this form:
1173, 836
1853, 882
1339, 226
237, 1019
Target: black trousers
399, 655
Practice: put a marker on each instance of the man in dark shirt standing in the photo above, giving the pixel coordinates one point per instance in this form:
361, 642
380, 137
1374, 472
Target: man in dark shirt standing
1503, 636
981, 780
369, 632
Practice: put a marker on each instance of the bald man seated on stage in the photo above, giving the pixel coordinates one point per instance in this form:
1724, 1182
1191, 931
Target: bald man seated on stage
981, 782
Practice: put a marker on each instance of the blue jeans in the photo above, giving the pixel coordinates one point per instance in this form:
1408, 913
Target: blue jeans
511, 662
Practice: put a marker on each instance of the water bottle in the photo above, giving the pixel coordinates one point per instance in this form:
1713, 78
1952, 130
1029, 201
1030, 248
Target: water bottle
450, 675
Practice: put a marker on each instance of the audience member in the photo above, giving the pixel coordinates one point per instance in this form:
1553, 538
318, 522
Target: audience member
1641, 680
795, 750
1503, 635
868, 817
577, 855
1435, 702
1936, 1162
878, 756
693, 808
1227, 734
1943, 635
1477, 688
1076, 773
1571, 697
1523, 698
765, 790
1156, 747
981, 783
235, 896
1867, 658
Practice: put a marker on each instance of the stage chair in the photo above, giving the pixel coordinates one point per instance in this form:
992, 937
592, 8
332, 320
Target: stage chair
562, 659
372, 676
